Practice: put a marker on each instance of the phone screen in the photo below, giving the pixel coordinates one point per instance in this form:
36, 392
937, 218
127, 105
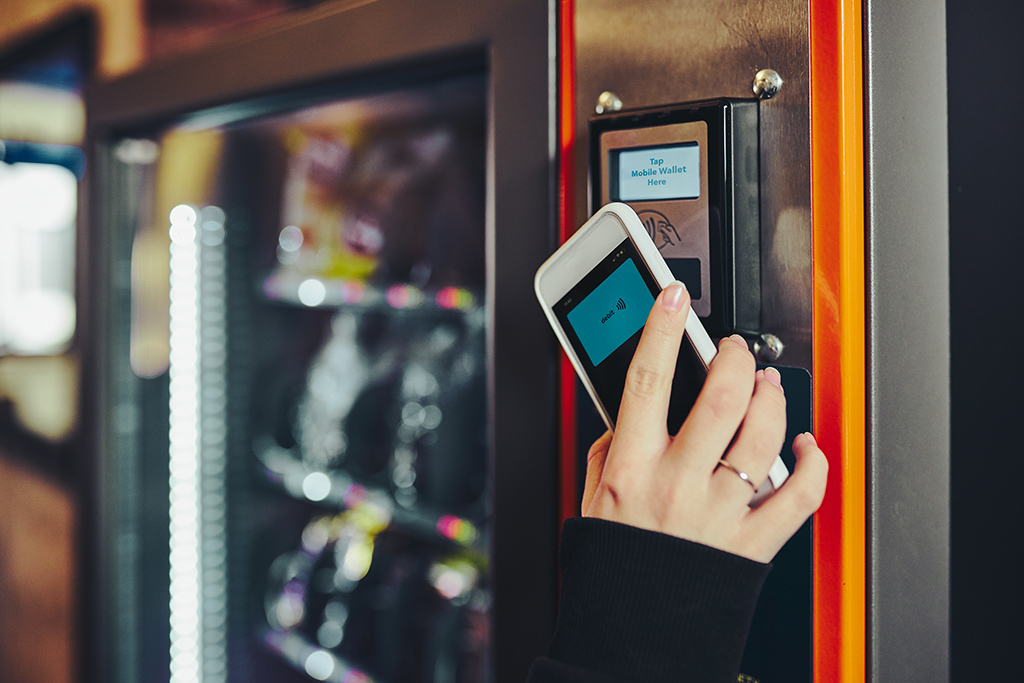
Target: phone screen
603, 317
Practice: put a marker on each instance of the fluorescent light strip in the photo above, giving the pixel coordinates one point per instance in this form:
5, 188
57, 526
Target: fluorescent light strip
213, 443
186, 645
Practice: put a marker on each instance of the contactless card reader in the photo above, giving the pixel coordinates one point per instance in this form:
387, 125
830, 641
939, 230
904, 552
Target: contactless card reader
691, 171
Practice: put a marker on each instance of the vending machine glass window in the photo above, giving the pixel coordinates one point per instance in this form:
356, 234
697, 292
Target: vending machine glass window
308, 350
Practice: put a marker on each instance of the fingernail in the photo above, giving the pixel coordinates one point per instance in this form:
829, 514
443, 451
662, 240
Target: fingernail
773, 376
740, 340
811, 437
672, 297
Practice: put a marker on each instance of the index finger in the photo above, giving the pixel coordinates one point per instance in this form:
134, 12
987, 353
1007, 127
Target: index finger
643, 412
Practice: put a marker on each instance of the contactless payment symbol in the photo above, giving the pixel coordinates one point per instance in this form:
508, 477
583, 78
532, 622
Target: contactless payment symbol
602, 321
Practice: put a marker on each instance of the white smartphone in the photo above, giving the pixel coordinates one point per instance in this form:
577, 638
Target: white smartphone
597, 291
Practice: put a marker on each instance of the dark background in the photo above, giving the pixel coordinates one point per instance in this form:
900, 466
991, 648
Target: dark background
986, 243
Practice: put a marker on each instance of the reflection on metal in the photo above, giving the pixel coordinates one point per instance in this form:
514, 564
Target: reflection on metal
768, 347
767, 83
667, 51
213, 381
608, 102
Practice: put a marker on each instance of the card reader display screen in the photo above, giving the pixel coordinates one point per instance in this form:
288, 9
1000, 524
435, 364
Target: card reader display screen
655, 173
603, 317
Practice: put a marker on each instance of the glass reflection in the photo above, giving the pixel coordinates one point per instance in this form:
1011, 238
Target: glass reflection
331, 489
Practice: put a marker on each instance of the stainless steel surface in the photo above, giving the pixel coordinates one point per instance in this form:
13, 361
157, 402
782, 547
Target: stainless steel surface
666, 51
767, 83
908, 318
768, 347
608, 102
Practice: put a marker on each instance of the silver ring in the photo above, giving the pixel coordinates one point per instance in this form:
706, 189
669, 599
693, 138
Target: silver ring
742, 475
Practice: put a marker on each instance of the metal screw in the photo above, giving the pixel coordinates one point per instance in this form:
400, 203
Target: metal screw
608, 101
768, 347
767, 83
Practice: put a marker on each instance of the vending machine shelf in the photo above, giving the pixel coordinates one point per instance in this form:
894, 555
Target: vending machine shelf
337, 490
316, 291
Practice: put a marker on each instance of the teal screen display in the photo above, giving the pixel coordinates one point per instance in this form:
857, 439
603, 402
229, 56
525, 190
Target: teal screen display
612, 313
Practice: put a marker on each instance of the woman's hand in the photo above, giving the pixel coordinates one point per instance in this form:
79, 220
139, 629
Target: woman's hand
645, 477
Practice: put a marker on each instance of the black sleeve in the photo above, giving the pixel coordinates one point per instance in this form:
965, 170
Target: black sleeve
638, 605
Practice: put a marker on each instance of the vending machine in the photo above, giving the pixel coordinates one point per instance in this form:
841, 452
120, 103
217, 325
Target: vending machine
323, 400
330, 435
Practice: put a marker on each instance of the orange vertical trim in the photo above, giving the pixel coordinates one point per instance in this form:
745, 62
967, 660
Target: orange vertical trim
567, 224
837, 188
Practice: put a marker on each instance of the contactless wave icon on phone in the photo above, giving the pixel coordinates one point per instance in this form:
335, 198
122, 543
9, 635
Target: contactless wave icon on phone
603, 320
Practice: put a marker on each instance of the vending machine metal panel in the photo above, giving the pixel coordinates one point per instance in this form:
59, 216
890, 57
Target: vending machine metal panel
803, 62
